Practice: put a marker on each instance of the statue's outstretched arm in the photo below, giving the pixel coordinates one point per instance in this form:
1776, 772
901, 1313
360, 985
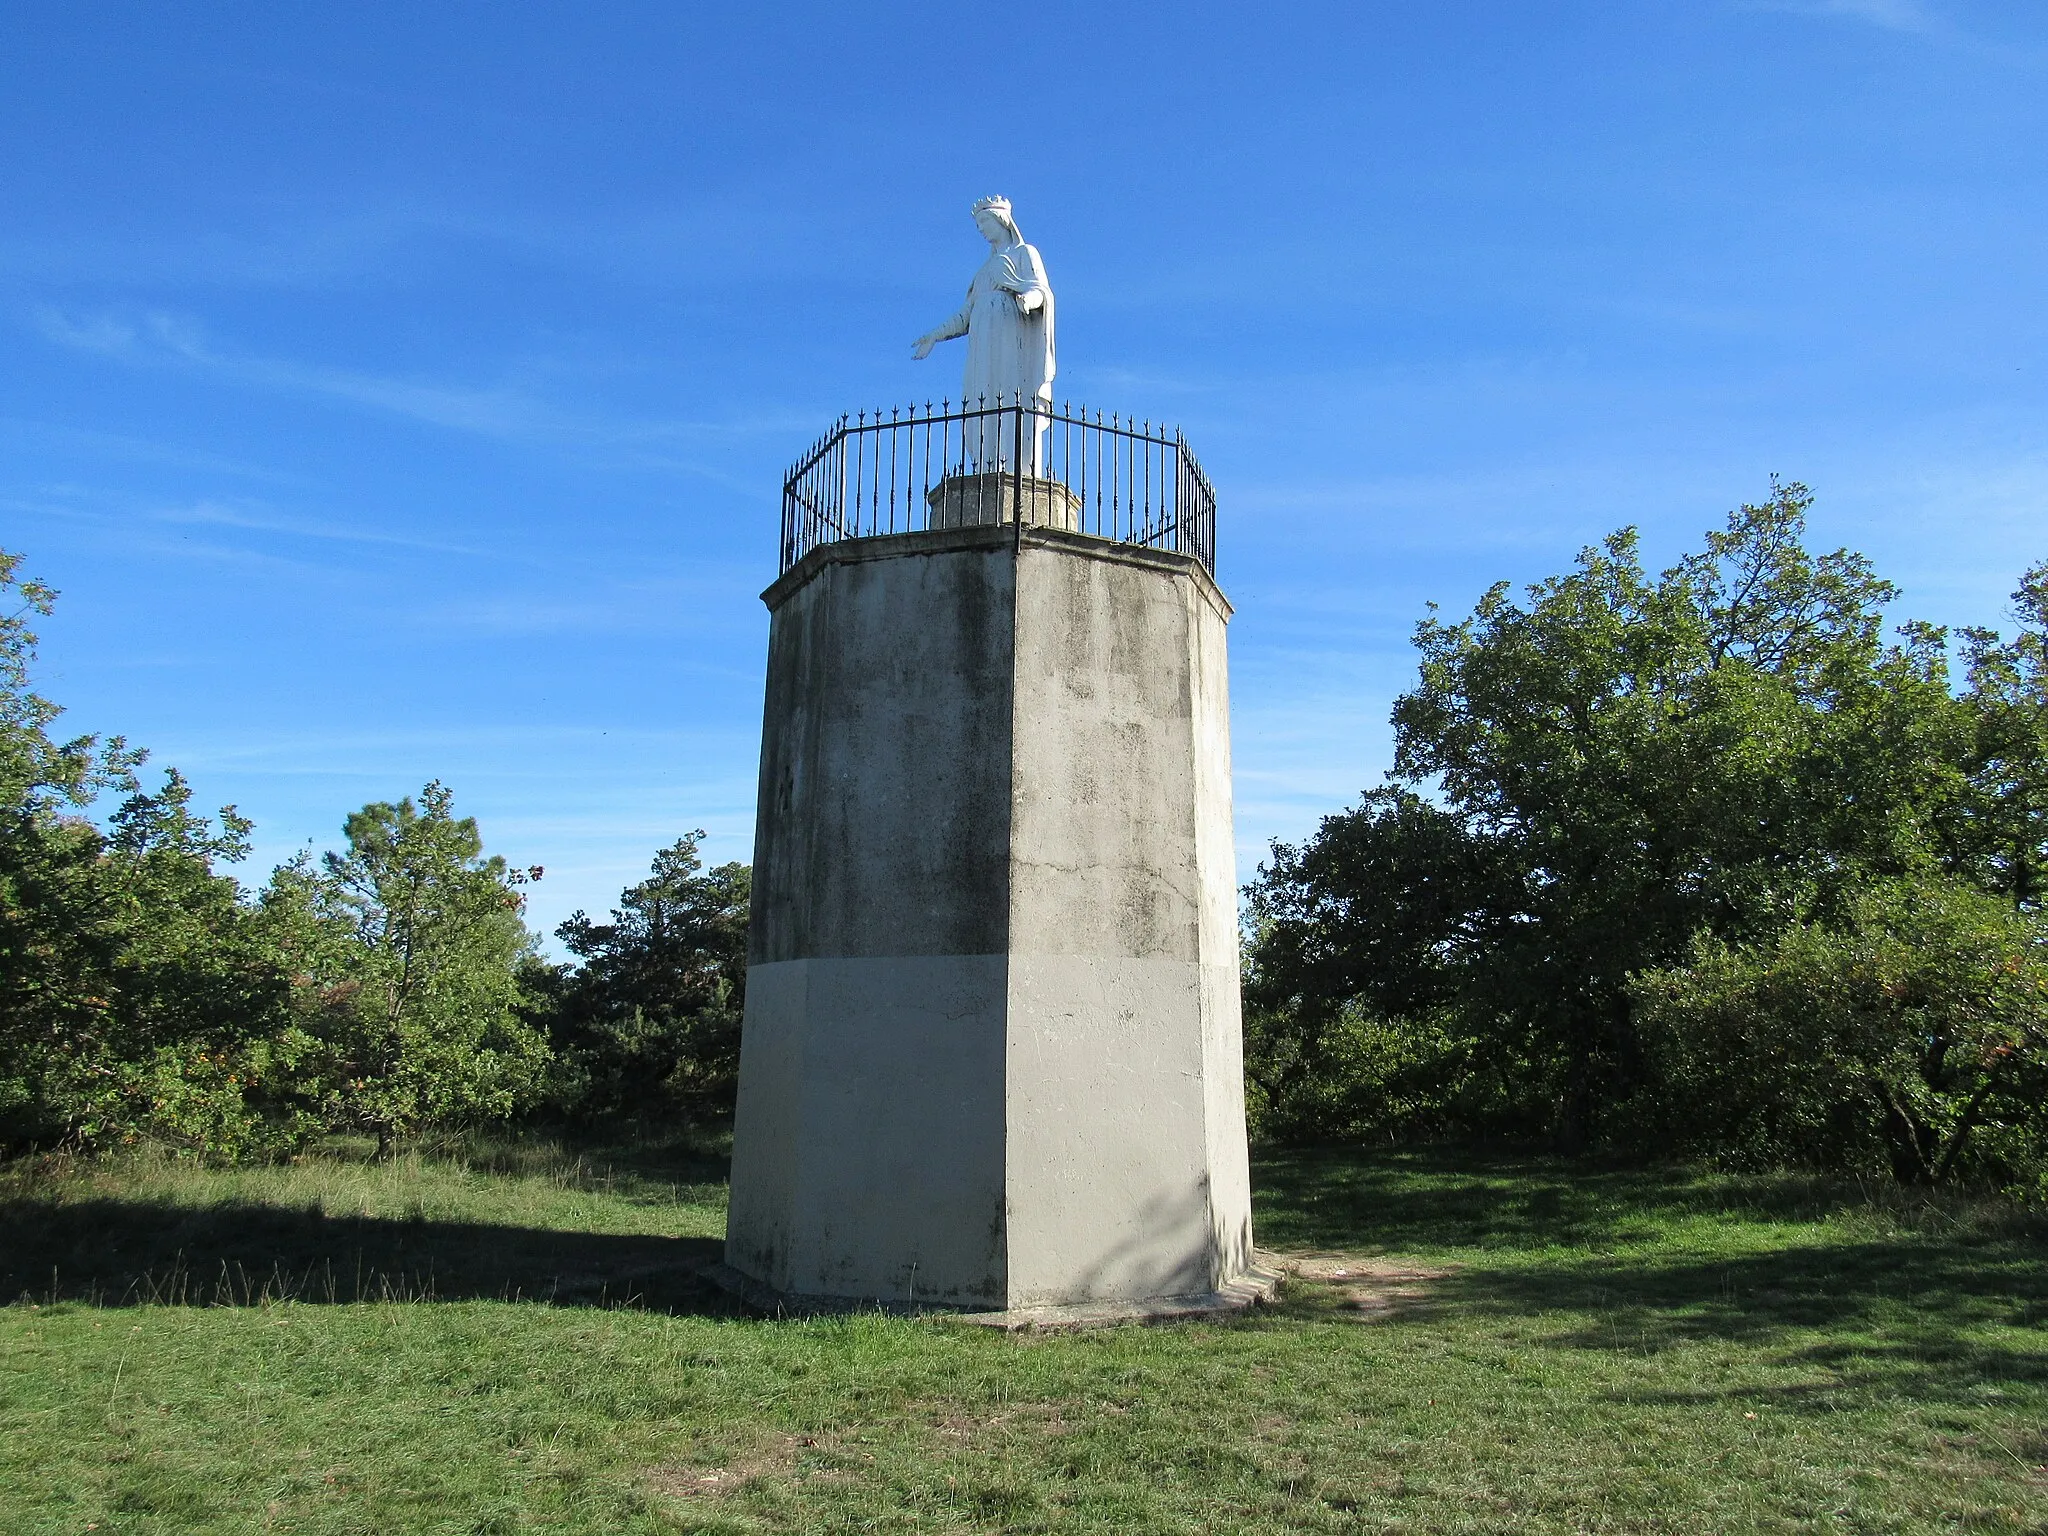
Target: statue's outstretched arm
945, 330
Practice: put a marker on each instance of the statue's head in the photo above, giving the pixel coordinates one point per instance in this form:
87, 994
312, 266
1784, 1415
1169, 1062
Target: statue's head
993, 218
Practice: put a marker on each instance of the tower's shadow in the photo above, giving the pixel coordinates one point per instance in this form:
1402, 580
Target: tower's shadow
136, 1252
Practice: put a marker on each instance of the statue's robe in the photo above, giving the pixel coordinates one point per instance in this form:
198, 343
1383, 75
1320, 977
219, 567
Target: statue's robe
1009, 356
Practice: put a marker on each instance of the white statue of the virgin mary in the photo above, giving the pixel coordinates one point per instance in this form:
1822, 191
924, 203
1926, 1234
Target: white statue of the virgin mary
1008, 323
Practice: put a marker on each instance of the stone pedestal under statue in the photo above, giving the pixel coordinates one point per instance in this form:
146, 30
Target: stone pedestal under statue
992, 1056
995, 496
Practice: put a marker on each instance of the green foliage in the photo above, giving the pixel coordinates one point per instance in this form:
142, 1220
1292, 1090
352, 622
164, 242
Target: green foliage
648, 1025
144, 997
1911, 1035
37, 774
387, 990
137, 995
1612, 776
409, 951
1358, 943
2000, 838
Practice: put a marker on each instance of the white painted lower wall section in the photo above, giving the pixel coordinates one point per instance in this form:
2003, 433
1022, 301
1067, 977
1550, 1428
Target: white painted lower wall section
868, 1142
991, 1131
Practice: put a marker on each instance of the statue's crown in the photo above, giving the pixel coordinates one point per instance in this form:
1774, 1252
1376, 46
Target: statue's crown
992, 205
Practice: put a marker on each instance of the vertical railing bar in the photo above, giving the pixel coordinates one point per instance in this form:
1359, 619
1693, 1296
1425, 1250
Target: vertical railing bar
863, 507
1180, 482
1017, 467
1148, 479
1074, 505
1098, 477
1115, 485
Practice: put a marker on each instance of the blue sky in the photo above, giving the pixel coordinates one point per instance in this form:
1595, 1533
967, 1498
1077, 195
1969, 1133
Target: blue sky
401, 392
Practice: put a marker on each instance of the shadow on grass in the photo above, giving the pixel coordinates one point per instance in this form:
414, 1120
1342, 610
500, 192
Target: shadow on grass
1431, 1199
1935, 1319
133, 1252
1936, 1301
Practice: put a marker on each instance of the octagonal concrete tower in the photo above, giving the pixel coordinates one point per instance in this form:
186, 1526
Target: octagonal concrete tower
992, 1057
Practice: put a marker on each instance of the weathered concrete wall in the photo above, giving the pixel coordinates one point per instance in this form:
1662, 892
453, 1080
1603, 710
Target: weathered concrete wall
884, 810
1230, 1190
992, 1051
1109, 1157
867, 1147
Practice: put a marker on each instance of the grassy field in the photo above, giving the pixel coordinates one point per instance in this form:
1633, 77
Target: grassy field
516, 1343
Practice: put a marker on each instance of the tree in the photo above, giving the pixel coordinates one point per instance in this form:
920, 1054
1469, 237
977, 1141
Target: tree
1359, 943
649, 1021
409, 949
1592, 777
145, 1001
137, 995
2000, 834
39, 776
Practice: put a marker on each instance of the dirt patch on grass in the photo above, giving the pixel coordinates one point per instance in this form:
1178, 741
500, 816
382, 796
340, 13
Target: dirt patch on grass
967, 1426
821, 1458
843, 1455
1366, 1289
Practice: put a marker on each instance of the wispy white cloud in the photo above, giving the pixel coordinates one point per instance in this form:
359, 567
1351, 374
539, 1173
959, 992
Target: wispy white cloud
98, 446
510, 411
1897, 15
258, 519
147, 520
703, 605
164, 338
141, 533
1891, 15
330, 241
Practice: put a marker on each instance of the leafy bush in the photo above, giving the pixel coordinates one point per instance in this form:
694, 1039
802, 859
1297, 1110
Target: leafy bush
1912, 1036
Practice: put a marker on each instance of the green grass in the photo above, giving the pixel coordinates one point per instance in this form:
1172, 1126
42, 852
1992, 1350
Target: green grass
516, 1342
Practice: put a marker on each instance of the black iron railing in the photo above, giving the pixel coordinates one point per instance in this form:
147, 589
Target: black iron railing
1021, 463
